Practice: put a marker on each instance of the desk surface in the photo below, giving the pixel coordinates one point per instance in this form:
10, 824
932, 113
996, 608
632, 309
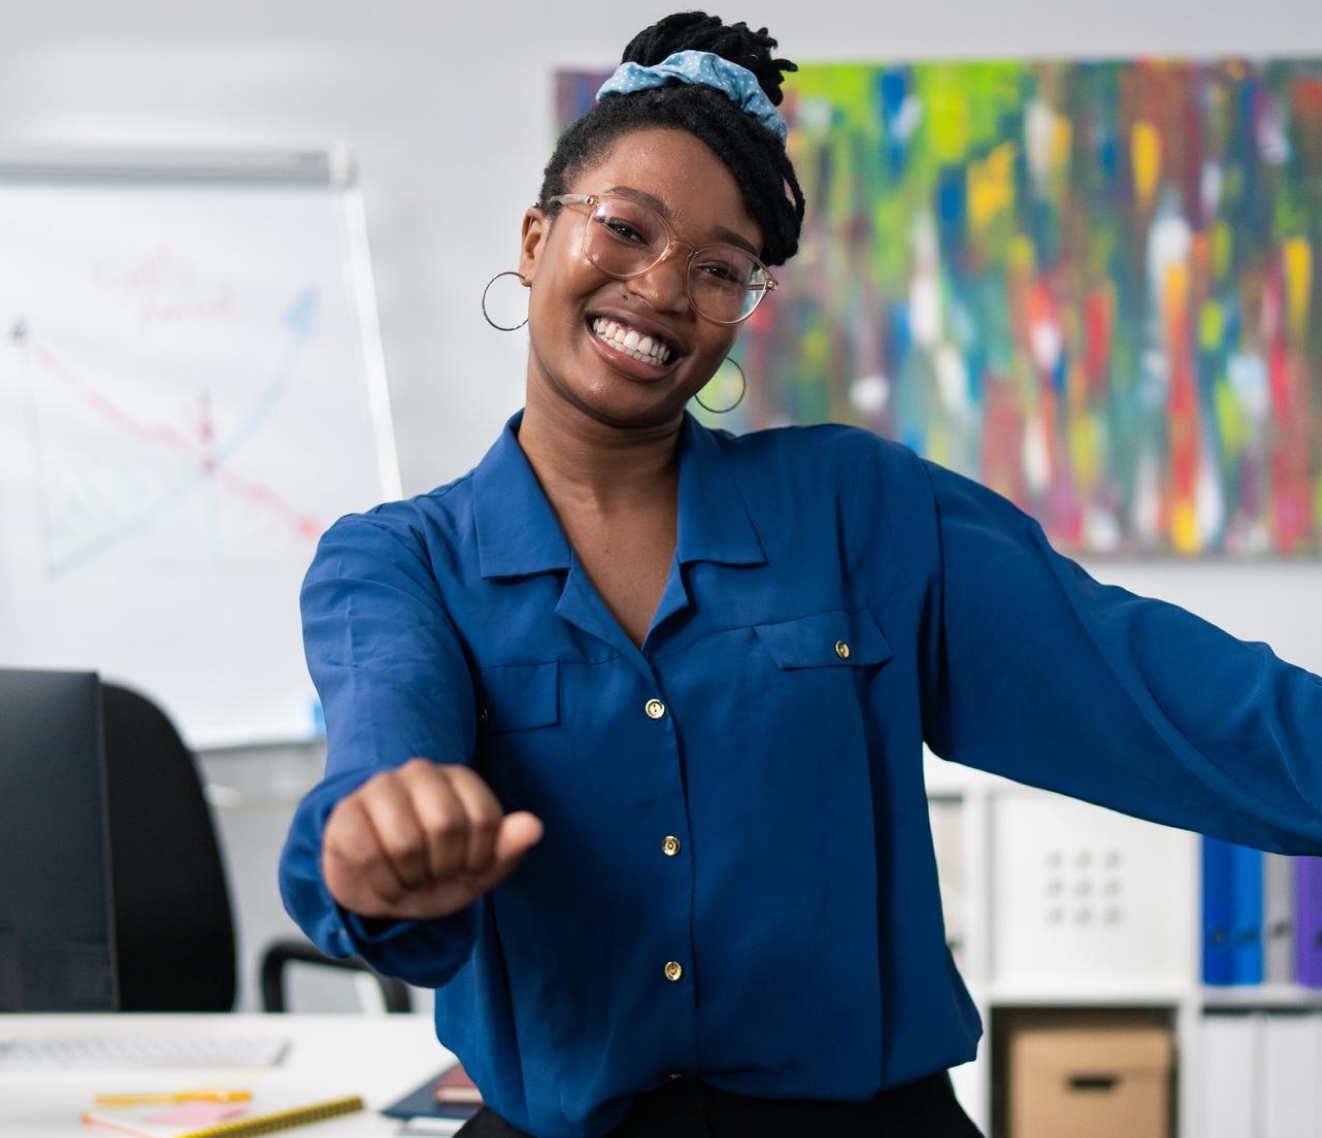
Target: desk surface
378, 1057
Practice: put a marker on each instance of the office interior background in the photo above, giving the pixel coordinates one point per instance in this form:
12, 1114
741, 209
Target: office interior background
448, 111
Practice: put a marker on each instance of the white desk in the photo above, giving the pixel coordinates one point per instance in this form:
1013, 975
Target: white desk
378, 1057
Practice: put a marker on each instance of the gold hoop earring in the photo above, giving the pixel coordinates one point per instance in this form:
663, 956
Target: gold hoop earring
743, 387
493, 280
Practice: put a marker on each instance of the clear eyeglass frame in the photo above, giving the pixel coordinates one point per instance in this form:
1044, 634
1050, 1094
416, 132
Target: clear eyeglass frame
759, 290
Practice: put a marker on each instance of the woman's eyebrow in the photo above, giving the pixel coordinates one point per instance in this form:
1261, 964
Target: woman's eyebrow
664, 210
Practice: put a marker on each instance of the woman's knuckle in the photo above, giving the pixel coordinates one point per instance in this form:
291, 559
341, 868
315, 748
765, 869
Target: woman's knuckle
401, 846
486, 823
448, 823
370, 858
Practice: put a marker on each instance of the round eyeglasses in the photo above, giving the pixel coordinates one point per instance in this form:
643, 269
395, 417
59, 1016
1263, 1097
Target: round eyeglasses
625, 238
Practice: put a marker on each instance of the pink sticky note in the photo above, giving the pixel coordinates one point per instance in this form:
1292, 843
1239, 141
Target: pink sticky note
196, 1114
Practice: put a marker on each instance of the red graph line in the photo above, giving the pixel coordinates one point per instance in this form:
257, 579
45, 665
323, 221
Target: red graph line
258, 493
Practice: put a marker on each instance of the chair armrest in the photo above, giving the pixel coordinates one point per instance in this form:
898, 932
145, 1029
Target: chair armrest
280, 953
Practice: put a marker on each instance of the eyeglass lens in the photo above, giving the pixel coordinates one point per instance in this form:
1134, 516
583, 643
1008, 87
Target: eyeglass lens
625, 238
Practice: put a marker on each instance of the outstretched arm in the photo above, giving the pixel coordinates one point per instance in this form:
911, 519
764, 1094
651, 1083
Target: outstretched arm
386, 854
1037, 672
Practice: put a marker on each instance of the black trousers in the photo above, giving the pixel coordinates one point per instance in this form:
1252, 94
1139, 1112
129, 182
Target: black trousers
689, 1108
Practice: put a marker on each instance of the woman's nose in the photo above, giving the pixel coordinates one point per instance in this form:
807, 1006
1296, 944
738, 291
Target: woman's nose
665, 284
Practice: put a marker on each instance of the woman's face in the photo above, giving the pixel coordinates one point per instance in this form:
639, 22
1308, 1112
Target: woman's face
568, 360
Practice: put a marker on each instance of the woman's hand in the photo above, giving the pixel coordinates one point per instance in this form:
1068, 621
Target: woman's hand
421, 841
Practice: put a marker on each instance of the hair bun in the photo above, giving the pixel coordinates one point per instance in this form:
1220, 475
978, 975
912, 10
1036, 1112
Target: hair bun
697, 31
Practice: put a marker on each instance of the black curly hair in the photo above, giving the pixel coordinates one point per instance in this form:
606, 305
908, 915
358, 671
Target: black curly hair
755, 155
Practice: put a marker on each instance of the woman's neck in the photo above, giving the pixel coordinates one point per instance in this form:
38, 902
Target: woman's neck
586, 463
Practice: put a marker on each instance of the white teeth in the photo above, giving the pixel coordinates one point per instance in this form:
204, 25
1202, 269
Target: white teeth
631, 342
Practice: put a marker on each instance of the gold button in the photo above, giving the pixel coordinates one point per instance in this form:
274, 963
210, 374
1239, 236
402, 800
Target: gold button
842, 649
674, 970
675, 1075
670, 847
655, 708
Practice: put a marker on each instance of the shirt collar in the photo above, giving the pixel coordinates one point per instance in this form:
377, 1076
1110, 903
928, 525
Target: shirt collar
714, 524
518, 534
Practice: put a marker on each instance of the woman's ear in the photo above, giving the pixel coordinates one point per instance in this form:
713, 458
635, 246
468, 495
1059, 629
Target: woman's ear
536, 229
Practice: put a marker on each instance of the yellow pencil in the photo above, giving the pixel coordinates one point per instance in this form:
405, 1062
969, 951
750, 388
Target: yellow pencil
178, 1096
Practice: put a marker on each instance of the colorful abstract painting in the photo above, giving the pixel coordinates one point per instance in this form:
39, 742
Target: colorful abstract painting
1092, 286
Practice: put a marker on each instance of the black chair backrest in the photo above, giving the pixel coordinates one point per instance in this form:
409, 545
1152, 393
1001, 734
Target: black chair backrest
173, 924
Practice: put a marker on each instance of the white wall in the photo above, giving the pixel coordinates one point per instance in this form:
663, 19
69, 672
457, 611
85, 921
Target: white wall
448, 109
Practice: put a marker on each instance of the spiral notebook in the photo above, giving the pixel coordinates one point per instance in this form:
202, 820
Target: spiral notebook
266, 1113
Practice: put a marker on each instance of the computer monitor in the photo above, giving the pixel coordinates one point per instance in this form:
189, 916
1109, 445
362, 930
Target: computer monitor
56, 926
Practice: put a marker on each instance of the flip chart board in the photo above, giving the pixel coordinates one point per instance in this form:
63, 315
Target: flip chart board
191, 390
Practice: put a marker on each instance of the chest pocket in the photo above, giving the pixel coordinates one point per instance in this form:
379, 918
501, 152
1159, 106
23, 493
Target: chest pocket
518, 697
836, 639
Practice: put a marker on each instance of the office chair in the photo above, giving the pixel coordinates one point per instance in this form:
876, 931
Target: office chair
174, 925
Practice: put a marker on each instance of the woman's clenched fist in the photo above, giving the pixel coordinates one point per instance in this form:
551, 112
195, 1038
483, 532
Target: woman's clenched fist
421, 841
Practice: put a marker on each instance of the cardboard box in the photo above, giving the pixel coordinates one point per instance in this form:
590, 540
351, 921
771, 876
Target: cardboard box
1090, 1082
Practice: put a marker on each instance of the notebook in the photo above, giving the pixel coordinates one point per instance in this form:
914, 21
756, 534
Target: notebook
449, 1095
268, 1111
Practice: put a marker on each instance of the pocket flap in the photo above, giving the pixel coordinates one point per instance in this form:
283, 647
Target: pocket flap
826, 639
516, 697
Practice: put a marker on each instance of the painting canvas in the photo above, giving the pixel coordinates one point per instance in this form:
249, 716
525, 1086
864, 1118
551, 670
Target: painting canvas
1091, 285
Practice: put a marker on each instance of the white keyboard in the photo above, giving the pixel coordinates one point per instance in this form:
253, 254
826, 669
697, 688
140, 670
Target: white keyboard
93, 1051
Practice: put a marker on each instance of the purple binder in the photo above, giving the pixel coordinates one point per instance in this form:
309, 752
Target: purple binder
1308, 920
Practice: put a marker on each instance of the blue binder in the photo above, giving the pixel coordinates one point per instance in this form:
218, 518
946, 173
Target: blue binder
1232, 913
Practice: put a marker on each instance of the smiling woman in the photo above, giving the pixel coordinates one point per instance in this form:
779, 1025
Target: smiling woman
625, 727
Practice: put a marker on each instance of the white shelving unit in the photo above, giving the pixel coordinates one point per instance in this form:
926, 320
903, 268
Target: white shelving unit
1070, 905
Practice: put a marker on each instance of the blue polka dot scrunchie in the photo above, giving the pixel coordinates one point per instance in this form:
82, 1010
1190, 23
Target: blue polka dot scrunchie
709, 69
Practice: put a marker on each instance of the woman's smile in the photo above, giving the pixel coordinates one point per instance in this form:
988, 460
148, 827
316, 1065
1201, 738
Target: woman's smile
631, 350
639, 345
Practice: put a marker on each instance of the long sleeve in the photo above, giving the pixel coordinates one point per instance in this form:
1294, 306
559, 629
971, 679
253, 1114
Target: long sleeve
394, 685
1038, 672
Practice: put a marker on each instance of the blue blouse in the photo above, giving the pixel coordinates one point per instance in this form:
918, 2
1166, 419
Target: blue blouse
737, 878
